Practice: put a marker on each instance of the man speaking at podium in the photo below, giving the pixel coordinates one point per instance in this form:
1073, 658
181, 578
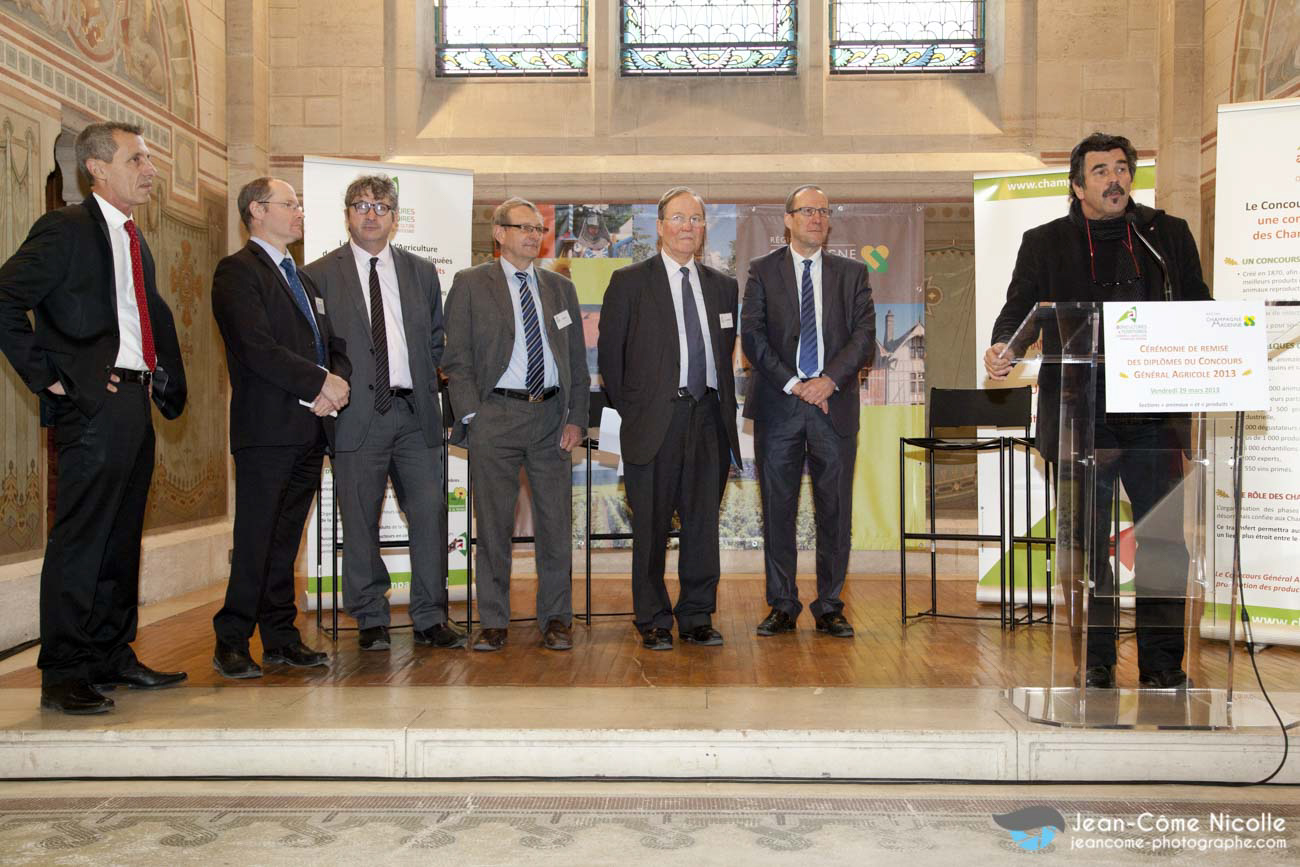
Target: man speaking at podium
1102, 250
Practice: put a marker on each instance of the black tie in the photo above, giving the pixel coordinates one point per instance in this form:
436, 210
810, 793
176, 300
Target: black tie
379, 342
696, 379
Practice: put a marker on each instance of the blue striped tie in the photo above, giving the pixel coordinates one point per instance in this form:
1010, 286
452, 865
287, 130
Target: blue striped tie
536, 376
300, 298
807, 323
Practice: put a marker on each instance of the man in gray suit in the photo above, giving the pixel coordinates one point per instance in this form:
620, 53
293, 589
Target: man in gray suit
387, 304
517, 361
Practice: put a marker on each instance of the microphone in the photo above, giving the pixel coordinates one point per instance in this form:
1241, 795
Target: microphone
1131, 217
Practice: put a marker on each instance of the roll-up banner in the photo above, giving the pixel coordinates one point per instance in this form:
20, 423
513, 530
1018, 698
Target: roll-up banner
433, 220
1006, 206
1257, 257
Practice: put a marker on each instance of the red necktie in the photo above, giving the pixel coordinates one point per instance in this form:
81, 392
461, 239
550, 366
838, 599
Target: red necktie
142, 306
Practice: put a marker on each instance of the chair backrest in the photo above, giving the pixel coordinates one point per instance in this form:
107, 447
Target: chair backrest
980, 407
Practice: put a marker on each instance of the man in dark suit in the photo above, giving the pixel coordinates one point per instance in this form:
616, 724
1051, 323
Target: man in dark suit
808, 325
1095, 253
288, 378
517, 364
667, 334
103, 344
395, 429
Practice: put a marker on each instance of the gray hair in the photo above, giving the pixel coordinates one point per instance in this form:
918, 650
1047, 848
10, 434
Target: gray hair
794, 194
96, 141
674, 193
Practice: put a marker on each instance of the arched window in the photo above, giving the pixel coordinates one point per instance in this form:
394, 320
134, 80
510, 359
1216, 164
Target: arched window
907, 36
511, 37
694, 37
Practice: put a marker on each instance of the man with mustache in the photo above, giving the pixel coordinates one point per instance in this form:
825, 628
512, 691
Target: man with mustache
1093, 254
104, 343
667, 334
288, 380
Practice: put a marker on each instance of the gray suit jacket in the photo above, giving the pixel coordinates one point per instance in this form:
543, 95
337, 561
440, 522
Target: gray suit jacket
347, 301
481, 337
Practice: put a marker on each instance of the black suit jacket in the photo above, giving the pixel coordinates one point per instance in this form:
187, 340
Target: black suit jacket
1053, 265
769, 334
63, 272
271, 352
640, 360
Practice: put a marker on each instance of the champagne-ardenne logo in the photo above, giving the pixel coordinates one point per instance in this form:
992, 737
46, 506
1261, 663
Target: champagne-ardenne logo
876, 257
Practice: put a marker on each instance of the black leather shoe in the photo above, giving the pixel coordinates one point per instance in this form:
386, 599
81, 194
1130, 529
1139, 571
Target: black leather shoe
657, 639
775, 622
1099, 677
374, 638
1173, 678
558, 636
137, 675
74, 697
234, 663
297, 655
837, 625
489, 640
445, 635
705, 635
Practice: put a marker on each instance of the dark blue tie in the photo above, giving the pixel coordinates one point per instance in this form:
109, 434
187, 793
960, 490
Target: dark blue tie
535, 378
300, 297
696, 377
807, 323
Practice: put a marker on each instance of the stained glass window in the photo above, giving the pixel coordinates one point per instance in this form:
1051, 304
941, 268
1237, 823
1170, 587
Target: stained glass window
512, 37
907, 35
693, 37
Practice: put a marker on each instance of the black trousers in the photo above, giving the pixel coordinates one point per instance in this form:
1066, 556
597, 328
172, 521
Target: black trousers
274, 486
91, 575
686, 477
1147, 458
781, 448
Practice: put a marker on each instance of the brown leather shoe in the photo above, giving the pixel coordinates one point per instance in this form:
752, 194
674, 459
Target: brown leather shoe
558, 636
490, 639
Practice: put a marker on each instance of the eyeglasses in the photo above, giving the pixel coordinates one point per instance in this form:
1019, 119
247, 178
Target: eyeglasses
679, 220
808, 213
293, 206
381, 209
526, 228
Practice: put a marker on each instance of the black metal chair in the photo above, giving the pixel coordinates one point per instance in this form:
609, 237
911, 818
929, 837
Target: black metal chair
956, 410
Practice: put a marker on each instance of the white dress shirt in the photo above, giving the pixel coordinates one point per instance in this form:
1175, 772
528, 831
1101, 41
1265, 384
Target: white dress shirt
516, 375
130, 344
674, 285
816, 273
399, 360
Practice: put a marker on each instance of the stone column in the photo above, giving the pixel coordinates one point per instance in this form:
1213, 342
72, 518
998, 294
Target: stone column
1179, 72
248, 97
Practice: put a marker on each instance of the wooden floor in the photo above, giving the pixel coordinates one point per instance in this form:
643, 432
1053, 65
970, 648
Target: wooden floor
927, 653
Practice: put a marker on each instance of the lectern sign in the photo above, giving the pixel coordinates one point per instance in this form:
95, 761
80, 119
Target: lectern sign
1185, 356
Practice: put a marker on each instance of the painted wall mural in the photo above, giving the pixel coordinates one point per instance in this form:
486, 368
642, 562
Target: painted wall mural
143, 43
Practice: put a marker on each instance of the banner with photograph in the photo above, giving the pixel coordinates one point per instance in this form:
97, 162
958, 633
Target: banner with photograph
1257, 258
433, 220
1006, 206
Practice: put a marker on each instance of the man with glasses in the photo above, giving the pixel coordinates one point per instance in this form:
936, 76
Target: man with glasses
516, 360
667, 334
288, 379
387, 306
1094, 253
808, 326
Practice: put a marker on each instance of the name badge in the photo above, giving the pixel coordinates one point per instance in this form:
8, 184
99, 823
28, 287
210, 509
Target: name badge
724, 320
320, 306
563, 319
